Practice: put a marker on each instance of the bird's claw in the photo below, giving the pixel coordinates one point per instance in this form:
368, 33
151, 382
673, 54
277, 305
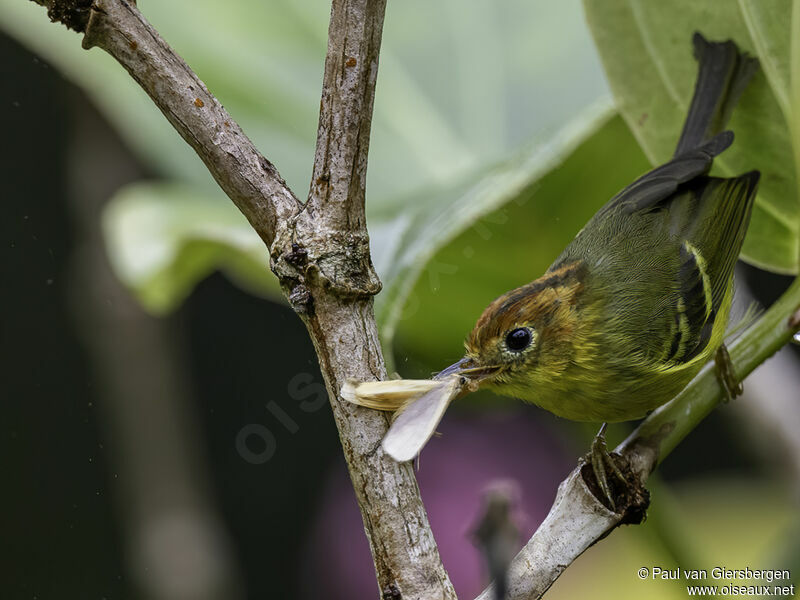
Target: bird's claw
726, 374
602, 462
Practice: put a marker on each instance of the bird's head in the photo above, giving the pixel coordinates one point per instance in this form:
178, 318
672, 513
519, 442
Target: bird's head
522, 342
525, 336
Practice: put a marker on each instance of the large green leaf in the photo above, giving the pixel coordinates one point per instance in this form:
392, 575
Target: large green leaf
647, 54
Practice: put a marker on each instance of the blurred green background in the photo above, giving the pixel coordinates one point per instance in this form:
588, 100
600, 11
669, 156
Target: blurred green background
164, 429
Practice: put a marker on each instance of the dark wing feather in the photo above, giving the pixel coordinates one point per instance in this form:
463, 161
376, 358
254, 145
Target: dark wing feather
661, 183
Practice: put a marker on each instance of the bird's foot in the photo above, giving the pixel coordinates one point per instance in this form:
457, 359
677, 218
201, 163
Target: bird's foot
604, 463
611, 479
726, 375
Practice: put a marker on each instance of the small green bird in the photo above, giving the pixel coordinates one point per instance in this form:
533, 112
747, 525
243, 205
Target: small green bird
633, 307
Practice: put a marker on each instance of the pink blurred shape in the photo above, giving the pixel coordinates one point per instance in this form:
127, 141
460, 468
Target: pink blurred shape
474, 450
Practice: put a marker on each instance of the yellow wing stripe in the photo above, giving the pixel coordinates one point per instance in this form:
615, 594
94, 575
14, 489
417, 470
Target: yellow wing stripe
703, 268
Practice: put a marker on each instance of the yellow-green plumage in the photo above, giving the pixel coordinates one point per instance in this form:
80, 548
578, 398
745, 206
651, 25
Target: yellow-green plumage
639, 300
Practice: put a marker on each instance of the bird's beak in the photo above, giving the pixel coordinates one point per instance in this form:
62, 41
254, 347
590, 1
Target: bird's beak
467, 367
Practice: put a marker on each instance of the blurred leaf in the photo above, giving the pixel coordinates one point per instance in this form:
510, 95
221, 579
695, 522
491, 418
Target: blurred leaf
163, 238
446, 110
406, 237
647, 54
514, 244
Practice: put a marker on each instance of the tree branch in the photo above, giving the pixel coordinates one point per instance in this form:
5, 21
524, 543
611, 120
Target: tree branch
322, 259
577, 519
319, 251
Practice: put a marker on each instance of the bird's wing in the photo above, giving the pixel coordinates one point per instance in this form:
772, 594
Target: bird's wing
677, 250
710, 222
660, 184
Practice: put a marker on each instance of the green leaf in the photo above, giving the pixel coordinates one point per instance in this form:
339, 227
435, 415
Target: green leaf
163, 238
513, 244
409, 235
646, 50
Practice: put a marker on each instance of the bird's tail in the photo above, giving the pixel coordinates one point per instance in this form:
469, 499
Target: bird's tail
723, 73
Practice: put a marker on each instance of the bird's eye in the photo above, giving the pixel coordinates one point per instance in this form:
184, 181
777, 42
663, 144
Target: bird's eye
519, 339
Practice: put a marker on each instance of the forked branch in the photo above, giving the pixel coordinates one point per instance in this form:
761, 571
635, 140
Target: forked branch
319, 250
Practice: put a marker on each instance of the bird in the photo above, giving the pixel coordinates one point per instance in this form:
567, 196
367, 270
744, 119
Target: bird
635, 305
